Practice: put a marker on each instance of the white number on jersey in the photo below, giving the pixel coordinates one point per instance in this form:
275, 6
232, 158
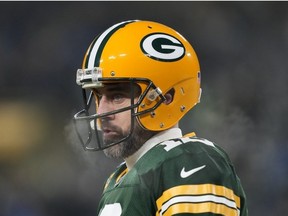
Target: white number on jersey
170, 144
111, 209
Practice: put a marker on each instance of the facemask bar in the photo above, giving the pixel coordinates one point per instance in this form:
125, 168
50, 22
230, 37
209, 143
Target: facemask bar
90, 123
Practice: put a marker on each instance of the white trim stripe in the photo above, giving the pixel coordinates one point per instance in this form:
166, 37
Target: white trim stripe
92, 56
198, 199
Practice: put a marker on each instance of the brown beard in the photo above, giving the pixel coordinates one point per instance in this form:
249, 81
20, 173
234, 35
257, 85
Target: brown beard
130, 146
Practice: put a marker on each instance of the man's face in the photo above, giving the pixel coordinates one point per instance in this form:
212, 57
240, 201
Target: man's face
112, 97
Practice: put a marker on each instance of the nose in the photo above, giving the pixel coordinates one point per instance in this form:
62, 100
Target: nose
104, 106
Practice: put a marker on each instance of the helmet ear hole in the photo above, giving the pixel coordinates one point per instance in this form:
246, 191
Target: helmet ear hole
169, 96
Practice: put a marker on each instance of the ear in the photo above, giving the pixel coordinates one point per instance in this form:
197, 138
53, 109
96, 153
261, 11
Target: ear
169, 96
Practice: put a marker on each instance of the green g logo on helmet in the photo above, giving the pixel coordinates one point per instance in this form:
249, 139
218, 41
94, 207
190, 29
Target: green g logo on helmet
162, 47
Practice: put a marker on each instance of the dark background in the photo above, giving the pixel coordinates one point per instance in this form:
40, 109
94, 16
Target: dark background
242, 47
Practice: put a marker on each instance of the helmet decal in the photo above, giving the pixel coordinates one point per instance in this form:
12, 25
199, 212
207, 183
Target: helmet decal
98, 44
162, 47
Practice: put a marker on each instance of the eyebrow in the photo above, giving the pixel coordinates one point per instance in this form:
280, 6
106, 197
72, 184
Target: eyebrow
114, 88
118, 87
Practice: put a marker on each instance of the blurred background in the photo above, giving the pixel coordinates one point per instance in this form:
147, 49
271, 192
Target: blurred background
242, 47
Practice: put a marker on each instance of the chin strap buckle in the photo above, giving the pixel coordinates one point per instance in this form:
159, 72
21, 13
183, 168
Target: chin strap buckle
153, 94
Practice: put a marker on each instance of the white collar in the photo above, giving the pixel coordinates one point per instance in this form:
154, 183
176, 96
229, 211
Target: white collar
171, 133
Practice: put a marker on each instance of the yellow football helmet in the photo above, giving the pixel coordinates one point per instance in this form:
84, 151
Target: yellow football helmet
152, 55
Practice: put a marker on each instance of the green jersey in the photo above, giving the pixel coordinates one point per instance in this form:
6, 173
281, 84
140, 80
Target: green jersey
186, 176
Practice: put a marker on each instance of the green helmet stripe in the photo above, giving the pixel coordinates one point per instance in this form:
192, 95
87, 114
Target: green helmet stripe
97, 46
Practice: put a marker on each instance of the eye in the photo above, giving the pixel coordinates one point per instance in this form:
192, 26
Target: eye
118, 98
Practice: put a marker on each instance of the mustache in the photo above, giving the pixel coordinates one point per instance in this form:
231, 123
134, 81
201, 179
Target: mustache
106, 126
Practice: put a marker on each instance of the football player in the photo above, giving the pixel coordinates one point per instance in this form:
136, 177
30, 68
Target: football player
138, 79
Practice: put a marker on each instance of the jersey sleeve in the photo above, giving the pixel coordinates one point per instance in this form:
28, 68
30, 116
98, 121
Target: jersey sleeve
194, 177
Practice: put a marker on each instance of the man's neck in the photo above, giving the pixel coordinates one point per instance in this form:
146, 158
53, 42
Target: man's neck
171, 133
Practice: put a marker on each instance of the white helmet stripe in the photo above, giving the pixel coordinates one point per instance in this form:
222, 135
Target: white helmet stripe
97, 44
